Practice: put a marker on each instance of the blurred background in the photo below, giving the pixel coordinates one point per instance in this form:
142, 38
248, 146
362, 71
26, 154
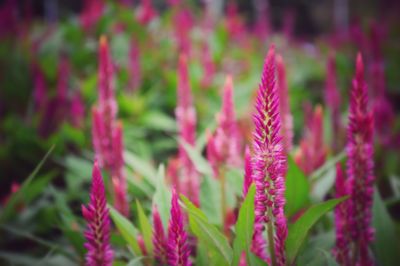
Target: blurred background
48, 84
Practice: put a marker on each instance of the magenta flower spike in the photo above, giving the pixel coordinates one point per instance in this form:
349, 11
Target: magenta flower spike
284, 107
208, 65
97, 233
40, 90
146, 12
159, 238
341, 249
268, 166
183, 24
178, 250
91, 13
332, 101
248, 172
212, 154
77, 108
360, 167
186, 119
134, 66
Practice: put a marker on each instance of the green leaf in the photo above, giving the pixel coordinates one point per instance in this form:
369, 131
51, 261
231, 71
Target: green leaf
145, 228
299, 231
210, 199
16, 197
297, 189
198, 160
244, 230
140, 166
127, 230
201, 227
386, 245
162, 196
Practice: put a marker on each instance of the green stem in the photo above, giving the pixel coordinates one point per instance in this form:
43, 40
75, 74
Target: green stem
271, 244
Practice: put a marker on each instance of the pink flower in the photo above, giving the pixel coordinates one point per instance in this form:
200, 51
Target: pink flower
91, 13
224, 148
159, 238
183, 24
360, 167
146, 12
207, 64
341, 249
178, 250
98, 224
134, 66
268, 165
77, 110
248, 172
186, 119
284, 106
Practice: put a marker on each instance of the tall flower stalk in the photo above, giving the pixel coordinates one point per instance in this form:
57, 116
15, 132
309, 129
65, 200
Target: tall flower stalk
98, 224
159, 238
268, 166
360, 168
186, 119
178, 250
107, 132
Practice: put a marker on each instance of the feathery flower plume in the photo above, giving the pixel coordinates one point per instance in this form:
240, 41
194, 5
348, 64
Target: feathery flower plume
212, 155
224, 147
107, 133
234, 23
248, 172
77, 110
98, 230
186, 119
183, 24
208, 65
360, 167
40, 90
178, 250
268, 166
134, 66
284, 107
312, 152
332, 101
159, 238
341, 249
91, 13
146, 13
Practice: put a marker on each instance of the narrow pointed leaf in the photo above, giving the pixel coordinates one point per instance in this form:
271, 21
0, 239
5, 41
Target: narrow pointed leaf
145, 228
162, 196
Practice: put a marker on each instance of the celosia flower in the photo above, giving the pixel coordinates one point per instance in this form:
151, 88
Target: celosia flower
341, 249
146, 12
312, 152
91, 13
178, 250
134, 66
186, 119
98, 224
332, 101
172, 172
234, 23
223, 149
77, 110
183, 24
207, 64
40, 90
248, 172
284, 107
159, 238
360, 167
268, 165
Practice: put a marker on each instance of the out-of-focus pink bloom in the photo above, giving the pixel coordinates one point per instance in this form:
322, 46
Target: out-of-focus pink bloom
224, 147
62, 82
107, 133
234, 23
186, 119
284, 106
360, 168
332, 101
248, 172
141, 244
98, 224
77, 110
262, 26
40, 90
341, 250
208, 65
159, 238
172, 172
289, 19
134, 66
211, 152
312, 152
146, 12
91, 13
268, 166
183, 24
178, 250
